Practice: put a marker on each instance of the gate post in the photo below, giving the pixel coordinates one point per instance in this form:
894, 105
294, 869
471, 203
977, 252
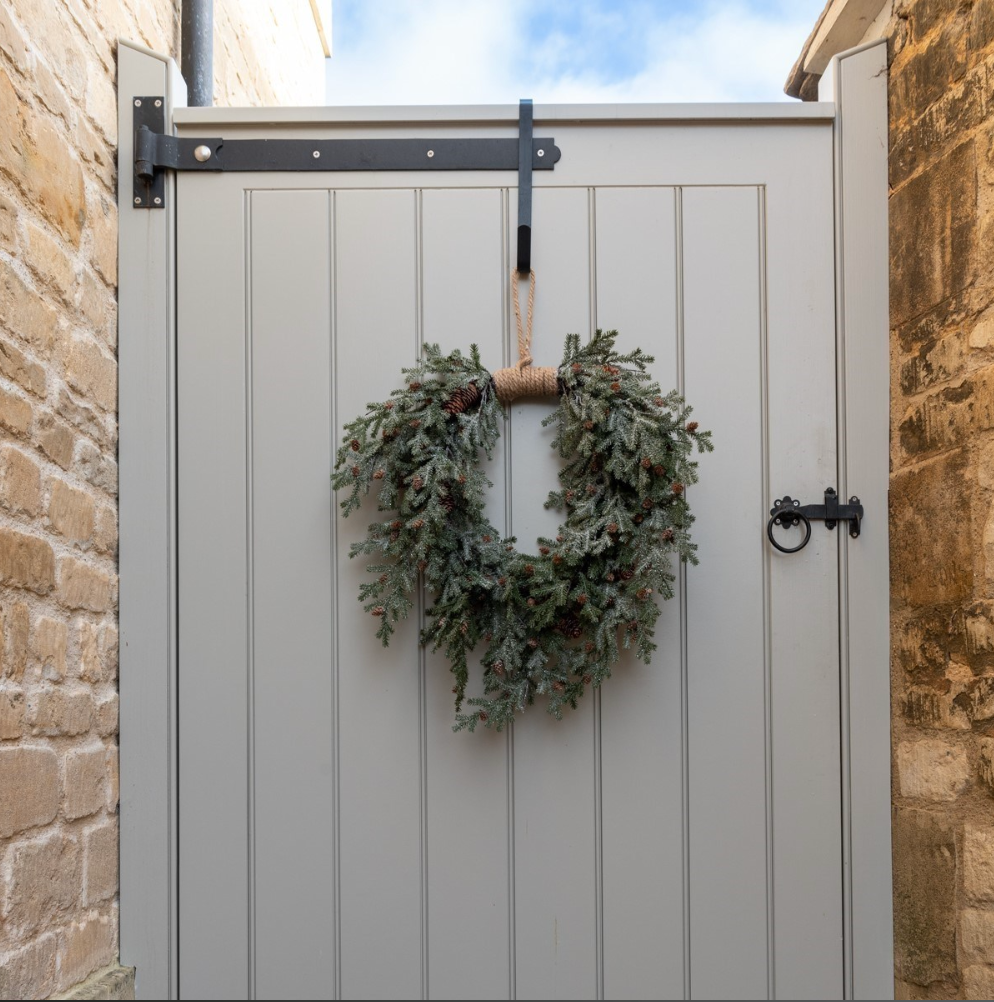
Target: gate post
147, 562
862, 317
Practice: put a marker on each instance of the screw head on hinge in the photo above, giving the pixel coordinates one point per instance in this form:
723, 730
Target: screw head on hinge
202, 154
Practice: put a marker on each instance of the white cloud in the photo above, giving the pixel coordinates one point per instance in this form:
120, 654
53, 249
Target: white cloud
479, 51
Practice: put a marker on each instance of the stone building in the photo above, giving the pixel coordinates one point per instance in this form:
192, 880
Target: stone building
58, 435
941, 158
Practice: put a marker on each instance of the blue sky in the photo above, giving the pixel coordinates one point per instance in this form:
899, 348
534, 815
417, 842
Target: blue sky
495, 51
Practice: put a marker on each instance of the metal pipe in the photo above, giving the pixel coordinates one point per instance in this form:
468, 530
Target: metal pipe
197, 51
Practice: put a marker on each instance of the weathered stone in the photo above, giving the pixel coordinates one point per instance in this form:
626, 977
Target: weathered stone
25, 314
38, 157
978, 862
85, 782
71, 511
946, 418
100, 863
985, 763
113, 778
8, 221
49, 91
105, 531
109, 651
84, 417
935, 362
107, 715
978, 982
15, 412
96, 305
12, 44
48, 644
49, 262
55, 439
924, 897
933, 221
85, 946
40, 878
84, 587
20, 482
57, 711
98, 468
29, 778
16, 366
931, 769
927, 707
929, 70
981, 31
16, 624
26, 561
90, 664
11, 714
92, 373
103, 237
977, 933
29, 973
931, 552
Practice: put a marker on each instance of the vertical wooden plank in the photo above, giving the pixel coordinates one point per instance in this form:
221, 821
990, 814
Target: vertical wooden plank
292, 555
805, 794
642, 739
464, 287
727, 671
147, 609
213, 613
379, 689
861, 235
555, 857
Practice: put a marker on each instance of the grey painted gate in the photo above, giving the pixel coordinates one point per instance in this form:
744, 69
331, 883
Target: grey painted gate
687, 832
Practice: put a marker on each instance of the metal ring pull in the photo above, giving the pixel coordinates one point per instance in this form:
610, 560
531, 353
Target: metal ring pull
786, 513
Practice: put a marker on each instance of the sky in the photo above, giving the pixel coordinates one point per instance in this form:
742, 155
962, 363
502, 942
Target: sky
497, 51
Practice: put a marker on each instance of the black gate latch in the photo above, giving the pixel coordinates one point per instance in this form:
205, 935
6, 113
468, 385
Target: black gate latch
788, 513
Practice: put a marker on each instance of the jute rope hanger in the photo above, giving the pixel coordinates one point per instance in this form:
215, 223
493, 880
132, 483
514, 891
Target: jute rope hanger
521, 380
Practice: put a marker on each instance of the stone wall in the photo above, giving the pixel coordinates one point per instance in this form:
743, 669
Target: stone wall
58, 434
942, 494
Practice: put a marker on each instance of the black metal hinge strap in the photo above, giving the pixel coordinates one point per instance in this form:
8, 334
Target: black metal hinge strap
525, 147
788, 513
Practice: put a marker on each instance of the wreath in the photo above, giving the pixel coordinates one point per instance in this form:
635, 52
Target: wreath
550, 623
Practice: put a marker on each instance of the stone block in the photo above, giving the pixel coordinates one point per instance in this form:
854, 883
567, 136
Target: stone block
17, 367
8, 218
48, 643
29, 973
113, 778
978, 862
924, 897
99, 468
932, 769
13, 45
981, 31
25, 314
931, 528
86, 946
40, 878
20, 482
90, 664
103, 237
928, 70
55, 439
85, 790
14, 650
84, 587
71, 512
26, 561
948, 417
985, 763
978, 982
105, 531
15, 412
38, 157
84, 417
29, 778
107, 716
11, 714
933, 223
59, 712
100, 863
50, 262
976, 927
96, 305
92, 373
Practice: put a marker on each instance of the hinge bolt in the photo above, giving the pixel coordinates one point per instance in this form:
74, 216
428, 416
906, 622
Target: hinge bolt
158, 103
158, 201
541, 153
202, 153
431, 153
138, 201
316, 154
138, 103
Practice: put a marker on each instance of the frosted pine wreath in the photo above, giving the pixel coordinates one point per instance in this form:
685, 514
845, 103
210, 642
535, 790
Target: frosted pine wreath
549, 623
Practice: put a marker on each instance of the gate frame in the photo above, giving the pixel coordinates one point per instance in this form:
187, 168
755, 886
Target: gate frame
147, 497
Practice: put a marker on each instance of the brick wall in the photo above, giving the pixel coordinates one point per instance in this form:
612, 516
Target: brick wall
942, 494
58, 434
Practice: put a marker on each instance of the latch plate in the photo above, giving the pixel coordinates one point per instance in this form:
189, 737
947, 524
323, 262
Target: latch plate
788, 513
149, 188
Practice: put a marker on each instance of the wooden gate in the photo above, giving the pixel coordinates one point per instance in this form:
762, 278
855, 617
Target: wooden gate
687, 832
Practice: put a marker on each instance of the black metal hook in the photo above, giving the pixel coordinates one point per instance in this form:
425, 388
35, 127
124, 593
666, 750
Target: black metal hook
788, 513
525, 186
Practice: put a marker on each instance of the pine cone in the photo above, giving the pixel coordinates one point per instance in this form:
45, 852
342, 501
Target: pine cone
447, 502
558, 686
498, 667
544, 550
658, 470
692, 426
378, 475
570, 626
667, 534
462, 399
646, 463
355, 445
377, 610
417, 483
677, 488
